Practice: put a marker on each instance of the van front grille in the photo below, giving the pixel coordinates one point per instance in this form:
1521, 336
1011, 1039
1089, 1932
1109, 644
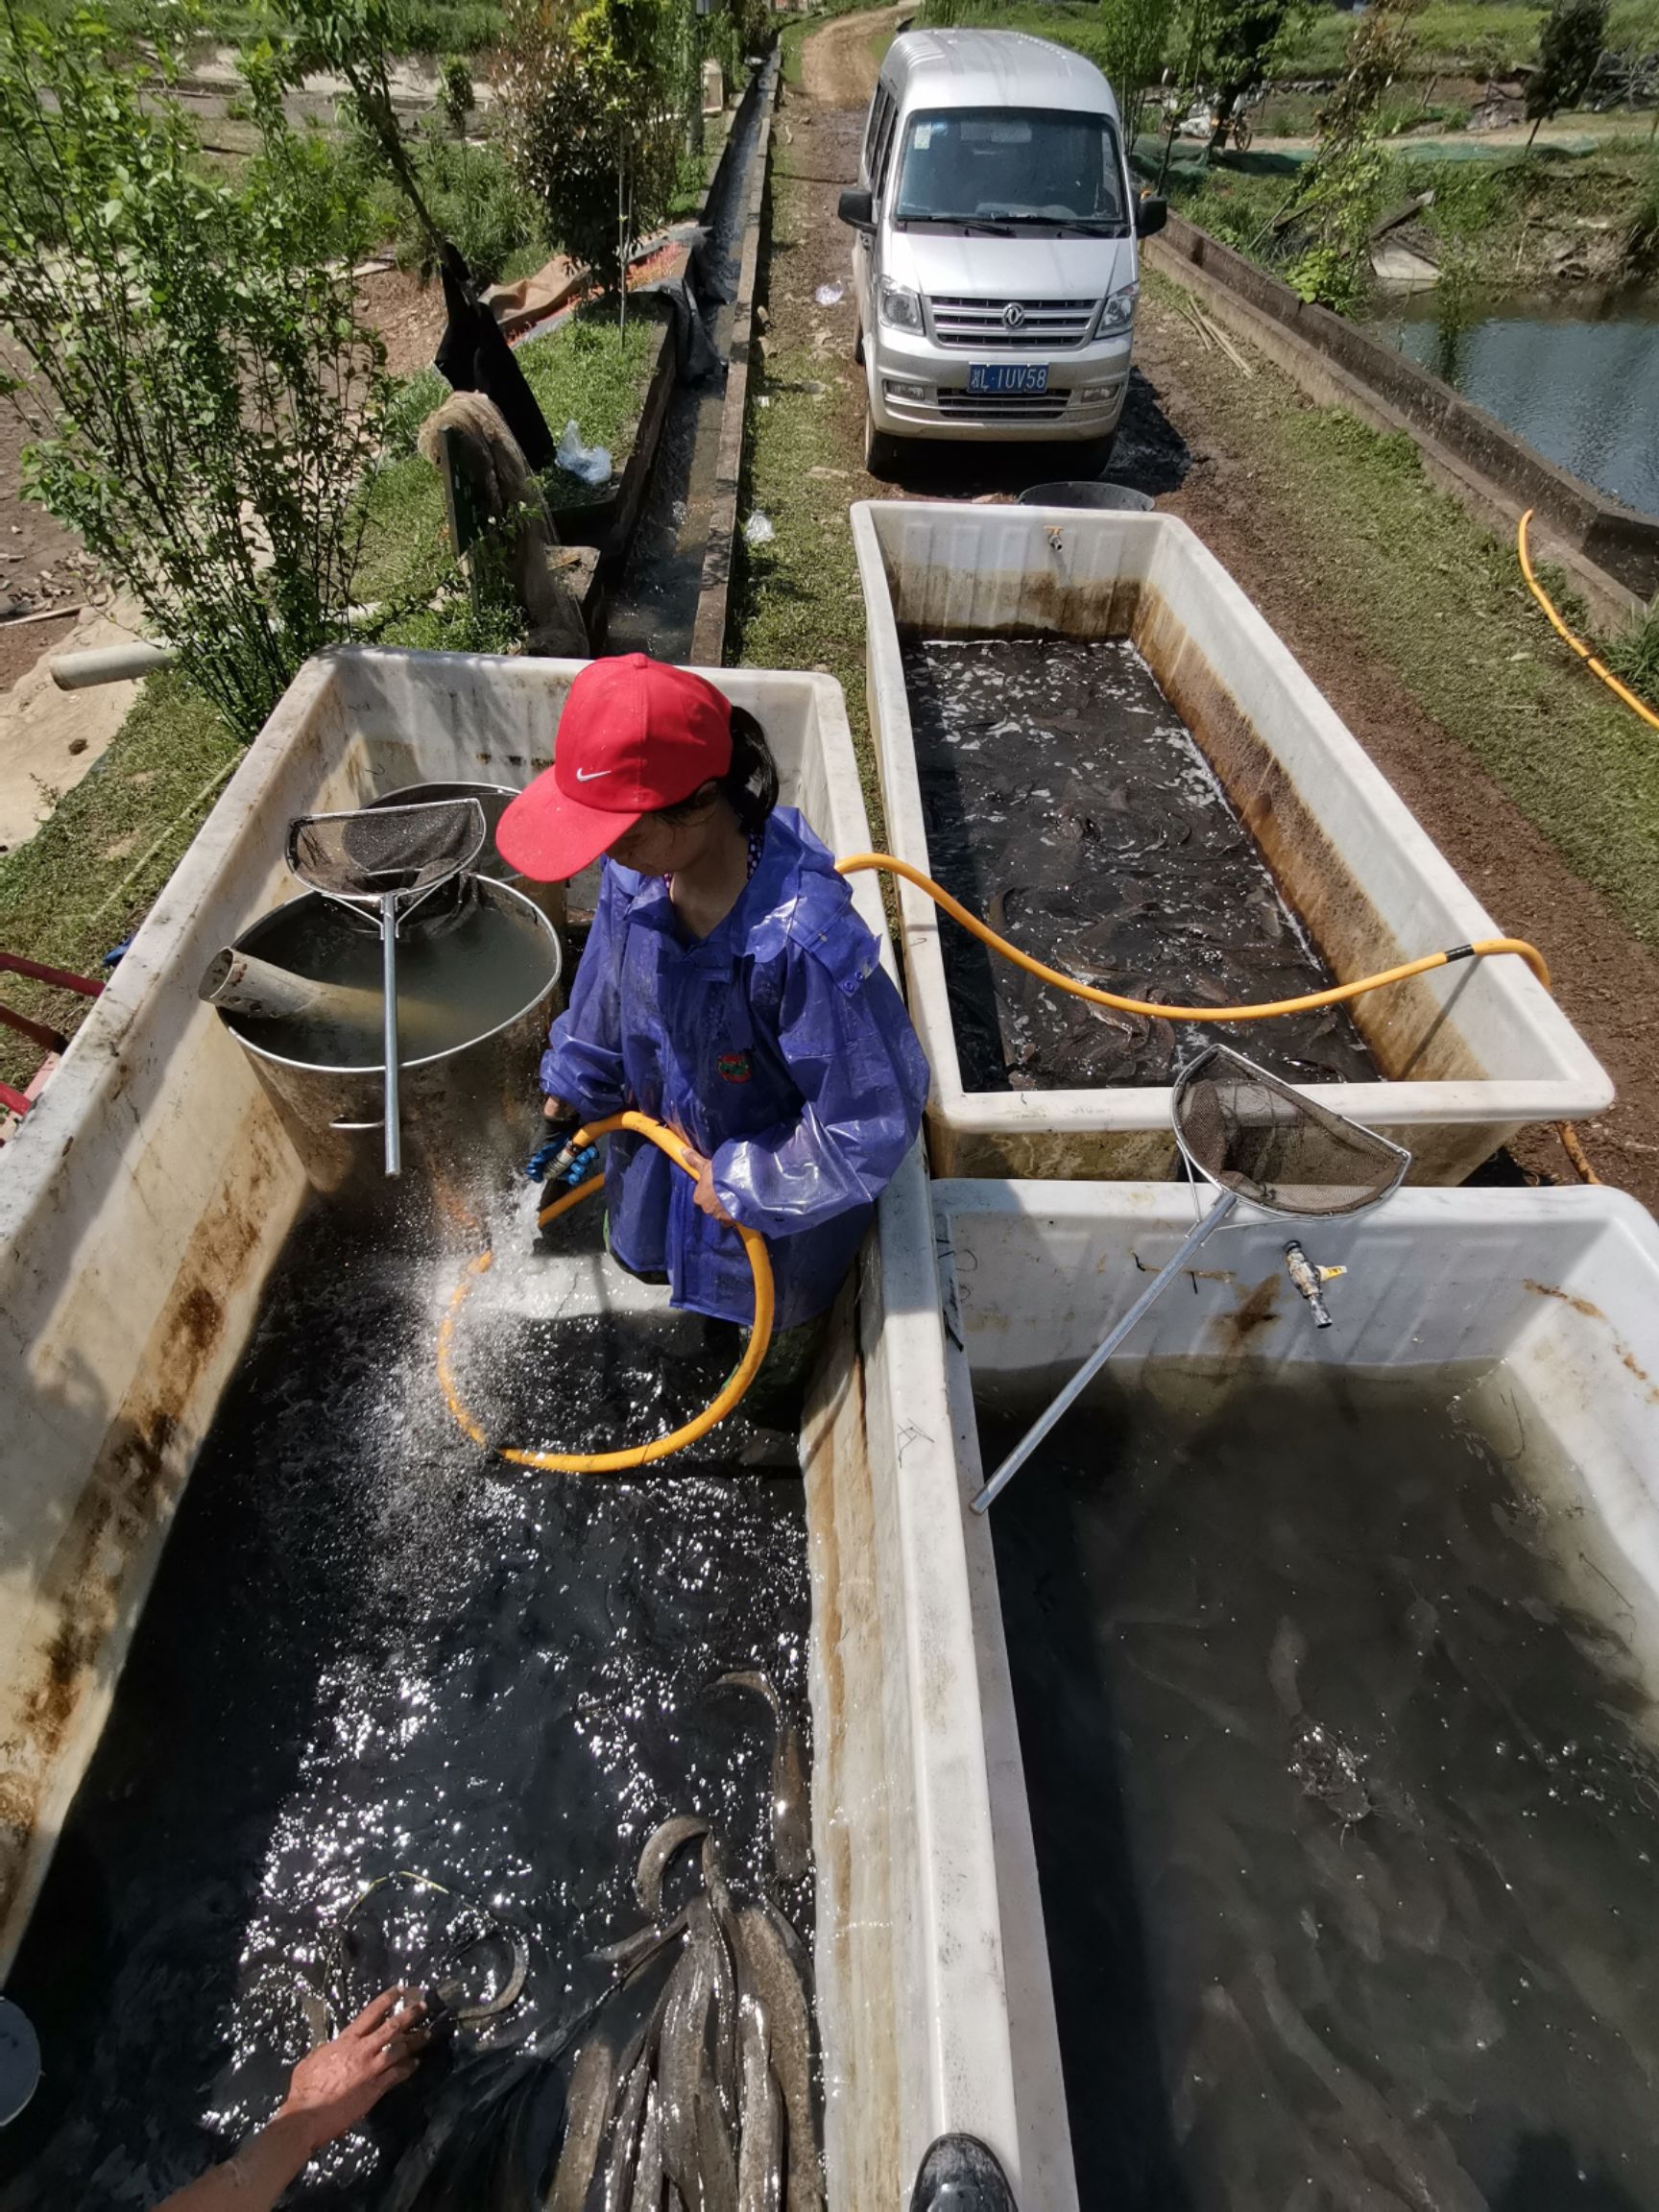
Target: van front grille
1004, 406
1043, 326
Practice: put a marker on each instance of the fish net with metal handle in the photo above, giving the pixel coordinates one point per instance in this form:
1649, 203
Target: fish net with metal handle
1247, 1132
373, 853
1257, 1140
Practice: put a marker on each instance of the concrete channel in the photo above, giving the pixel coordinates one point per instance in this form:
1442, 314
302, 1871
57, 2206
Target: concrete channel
669, 596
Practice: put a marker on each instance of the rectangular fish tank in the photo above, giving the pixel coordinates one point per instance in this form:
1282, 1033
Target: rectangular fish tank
1332, 1658
373, 1647
1086, 732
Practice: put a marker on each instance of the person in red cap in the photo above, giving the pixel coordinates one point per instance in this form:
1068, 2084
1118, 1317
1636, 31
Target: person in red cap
728, 988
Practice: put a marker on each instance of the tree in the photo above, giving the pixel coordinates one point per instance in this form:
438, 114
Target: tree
1134, 40
203, 398
353, 39
455, 94
1338, 193
1569, 47
594, 93
1244, 35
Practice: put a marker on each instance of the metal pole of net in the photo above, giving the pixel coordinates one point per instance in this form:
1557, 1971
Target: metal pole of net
385, 862
1258, 1140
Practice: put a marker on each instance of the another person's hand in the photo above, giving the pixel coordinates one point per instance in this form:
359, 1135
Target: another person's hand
703, 1191
333, 2087
328, 2092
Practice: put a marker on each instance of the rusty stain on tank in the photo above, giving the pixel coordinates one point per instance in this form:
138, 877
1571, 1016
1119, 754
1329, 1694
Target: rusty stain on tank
1626, 1358
131, 1490
1258, 1310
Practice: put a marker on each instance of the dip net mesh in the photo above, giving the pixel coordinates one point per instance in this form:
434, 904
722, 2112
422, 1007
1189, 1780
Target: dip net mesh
402, 849
1248, 1133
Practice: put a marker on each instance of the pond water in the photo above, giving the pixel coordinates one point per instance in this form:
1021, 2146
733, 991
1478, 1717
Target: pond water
1575, 373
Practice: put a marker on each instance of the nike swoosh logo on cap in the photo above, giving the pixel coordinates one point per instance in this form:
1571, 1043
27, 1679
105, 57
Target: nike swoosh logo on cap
592, 775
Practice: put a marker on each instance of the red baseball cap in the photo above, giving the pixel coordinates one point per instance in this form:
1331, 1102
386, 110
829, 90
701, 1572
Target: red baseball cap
635, 734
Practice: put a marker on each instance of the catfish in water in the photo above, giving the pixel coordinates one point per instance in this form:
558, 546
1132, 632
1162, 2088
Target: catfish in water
791, 1818
767, 1969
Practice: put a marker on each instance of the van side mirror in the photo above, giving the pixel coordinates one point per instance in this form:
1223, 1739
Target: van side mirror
1150, 215
858, 209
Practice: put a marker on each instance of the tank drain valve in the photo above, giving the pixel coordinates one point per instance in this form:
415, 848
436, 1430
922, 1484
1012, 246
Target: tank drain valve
1311, 1281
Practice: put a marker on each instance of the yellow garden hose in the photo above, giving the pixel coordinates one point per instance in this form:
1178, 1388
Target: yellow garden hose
1481, 948
637, 1454
1596, 667
753, 1246
1337, 995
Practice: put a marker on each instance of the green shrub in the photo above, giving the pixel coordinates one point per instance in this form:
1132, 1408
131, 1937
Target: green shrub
204, 399
448, 26
474, 200
593, 95
456, 98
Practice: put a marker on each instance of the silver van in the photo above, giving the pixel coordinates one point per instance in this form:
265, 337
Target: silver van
994, 245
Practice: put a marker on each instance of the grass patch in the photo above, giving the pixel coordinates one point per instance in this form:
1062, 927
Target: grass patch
1634, 656
427, 28
1463, 37
85, 880
588, 371
796, 601
1439, 600
1501, 218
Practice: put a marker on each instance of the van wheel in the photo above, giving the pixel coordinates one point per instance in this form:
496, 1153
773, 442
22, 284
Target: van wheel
858, 346
880, 451
1093, 457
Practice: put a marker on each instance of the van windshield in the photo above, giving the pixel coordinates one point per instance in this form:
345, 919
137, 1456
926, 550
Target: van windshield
1013, 166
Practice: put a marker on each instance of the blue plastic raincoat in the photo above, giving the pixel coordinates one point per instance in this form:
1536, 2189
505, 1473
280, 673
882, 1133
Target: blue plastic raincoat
776, 1045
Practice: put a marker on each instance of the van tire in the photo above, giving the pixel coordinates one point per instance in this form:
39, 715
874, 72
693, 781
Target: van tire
880, 451
858, 346
1093, 457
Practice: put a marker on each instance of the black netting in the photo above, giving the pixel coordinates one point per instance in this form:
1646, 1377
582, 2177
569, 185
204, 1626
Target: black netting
364, 856
1249, 1133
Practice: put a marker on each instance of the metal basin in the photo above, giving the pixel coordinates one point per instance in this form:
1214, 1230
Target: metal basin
468, 1104
1075, 493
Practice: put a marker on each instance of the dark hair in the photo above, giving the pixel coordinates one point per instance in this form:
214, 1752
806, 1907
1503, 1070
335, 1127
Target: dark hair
749, 787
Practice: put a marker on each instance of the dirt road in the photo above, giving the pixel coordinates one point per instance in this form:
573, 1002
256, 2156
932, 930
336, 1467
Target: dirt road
838, 64
1178, 443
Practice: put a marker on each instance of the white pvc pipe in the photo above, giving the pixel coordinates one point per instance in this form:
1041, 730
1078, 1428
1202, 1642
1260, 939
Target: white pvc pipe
109, 664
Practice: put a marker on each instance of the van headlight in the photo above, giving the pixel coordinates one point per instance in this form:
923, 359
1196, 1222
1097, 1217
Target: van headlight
1119, 311
900, 308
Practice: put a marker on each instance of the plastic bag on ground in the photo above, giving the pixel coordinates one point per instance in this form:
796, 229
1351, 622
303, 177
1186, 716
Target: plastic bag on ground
759, 530
587, 464
827, 294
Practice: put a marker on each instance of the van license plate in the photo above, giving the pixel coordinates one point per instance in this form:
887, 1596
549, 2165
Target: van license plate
1006, 376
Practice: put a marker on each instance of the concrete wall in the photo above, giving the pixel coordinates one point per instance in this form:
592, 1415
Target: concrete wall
1483, 456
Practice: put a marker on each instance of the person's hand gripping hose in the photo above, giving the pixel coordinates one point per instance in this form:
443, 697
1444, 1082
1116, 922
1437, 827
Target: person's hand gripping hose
580, 1142
559, 1159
